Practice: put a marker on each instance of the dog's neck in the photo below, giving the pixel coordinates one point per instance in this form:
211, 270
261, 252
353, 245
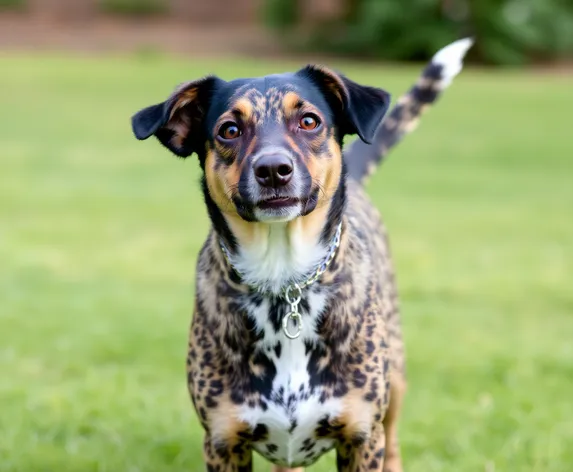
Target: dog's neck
270, 256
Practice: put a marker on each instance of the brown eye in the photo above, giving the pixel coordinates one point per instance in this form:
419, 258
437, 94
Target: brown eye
230, 130
309, 122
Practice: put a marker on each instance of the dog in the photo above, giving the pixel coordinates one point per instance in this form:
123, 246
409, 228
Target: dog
295, 346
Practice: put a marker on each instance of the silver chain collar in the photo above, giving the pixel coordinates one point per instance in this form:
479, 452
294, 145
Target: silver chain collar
293, 292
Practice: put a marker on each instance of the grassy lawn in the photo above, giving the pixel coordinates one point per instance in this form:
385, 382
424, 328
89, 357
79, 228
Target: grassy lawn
99, 234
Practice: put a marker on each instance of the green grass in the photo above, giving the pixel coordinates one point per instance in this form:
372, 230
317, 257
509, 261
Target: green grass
99, 234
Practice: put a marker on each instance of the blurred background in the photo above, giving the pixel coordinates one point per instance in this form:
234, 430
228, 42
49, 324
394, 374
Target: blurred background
508, 32
99, 233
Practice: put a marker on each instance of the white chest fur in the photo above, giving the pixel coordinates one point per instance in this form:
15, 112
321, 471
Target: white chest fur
293, 409
276, 254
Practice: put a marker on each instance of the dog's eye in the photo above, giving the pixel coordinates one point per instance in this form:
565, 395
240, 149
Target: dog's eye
230, 130
308, 122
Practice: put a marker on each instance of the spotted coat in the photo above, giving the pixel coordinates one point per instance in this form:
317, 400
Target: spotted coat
339, 385
351, 361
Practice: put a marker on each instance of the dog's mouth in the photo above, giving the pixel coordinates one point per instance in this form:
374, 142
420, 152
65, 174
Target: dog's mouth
277, 202
276, 206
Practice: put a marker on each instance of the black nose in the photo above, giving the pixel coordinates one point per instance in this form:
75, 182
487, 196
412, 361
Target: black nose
273, 170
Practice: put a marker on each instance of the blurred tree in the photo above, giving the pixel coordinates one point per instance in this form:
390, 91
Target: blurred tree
12, 4
516, 31
507, 31
134, 7
197, 11
282, 15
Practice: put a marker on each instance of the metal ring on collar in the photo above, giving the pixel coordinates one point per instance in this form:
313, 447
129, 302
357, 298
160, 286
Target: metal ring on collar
298, 296
297, 319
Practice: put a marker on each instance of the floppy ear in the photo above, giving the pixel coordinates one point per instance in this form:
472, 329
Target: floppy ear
179, 121
359, 108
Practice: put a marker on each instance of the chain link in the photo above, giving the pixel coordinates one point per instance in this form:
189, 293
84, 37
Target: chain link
293, 292
293, 300
321, 269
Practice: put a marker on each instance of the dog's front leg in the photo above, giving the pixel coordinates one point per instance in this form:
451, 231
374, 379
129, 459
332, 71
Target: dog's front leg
367, 457
227, 458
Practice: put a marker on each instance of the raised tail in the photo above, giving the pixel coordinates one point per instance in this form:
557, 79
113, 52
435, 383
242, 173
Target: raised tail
361, 158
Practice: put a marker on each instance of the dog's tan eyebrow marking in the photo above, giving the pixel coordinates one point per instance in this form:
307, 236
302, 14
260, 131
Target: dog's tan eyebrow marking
243, 107
291, 101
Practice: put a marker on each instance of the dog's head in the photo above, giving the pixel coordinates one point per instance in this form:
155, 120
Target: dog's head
270, 147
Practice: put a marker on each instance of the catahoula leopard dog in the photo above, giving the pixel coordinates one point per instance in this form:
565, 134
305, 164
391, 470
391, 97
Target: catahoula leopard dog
295, 347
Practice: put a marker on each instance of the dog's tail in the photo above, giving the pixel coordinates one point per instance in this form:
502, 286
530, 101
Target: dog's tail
361, 158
